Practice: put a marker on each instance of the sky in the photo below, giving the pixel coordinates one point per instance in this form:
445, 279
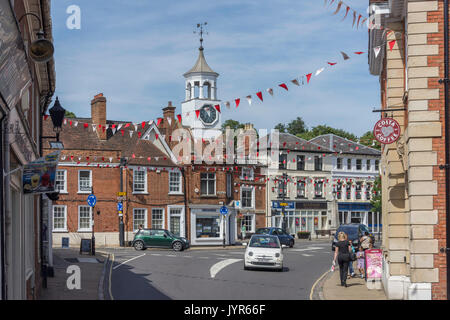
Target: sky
135, 52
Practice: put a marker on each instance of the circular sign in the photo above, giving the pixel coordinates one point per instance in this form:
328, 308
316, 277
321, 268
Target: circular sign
224, 210
91, 200
387, 131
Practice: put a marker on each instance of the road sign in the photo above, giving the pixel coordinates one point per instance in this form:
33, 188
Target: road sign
224, 210
121, 194
91, 200
119, 206
237, 203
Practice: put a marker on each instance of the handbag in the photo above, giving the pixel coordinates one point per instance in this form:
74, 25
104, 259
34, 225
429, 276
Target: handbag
352, 256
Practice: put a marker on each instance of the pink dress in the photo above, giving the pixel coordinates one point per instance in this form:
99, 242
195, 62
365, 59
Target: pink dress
360, 257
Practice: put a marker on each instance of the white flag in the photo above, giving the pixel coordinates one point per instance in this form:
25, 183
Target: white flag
93, 128
377, 51
131, 133
319, 71
75, 123
120, 126
249, 99
135, 126
169, 120
270, 91
110, 159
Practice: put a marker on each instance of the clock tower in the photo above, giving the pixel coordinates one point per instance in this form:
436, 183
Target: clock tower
201, 98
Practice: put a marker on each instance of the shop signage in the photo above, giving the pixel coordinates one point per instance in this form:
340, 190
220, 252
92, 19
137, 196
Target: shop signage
39, 176
279, 205
387, 131
316, 221
297, 222
311, 205
374, 263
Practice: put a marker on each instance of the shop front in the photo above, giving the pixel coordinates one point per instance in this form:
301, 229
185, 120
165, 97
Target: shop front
210, 227
301, 216
360, 213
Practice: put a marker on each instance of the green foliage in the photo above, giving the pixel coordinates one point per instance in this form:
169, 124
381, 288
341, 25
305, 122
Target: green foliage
324, 129
233, 124
368, 139
281, 128
69, 114
376, 199
297, 126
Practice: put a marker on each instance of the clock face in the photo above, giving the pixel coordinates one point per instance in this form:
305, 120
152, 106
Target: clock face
208, 114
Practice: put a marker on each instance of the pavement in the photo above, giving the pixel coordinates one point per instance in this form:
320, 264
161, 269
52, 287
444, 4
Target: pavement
92, 271
328, 287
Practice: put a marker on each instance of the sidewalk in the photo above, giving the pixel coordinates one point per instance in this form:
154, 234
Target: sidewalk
329, 288
92, 273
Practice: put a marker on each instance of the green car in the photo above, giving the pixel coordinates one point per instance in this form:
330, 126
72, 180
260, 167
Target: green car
158, 238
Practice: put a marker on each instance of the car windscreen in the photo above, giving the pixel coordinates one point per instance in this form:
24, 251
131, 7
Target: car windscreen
264, 242
262, 231
351, 231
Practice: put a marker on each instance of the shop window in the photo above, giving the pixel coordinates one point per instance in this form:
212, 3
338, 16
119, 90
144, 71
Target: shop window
208, 227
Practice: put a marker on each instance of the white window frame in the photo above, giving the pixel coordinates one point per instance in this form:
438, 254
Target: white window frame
351, 165
90, 181
368, 161
64, 229
356, 165
65, 180
322, 193
90, 219
182, 220
252, 190
337, 163
180, 184
144, 170
215, 185
163, 217
250, 176
253, 224
145, 218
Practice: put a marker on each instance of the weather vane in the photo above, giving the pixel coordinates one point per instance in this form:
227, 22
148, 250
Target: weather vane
200, 31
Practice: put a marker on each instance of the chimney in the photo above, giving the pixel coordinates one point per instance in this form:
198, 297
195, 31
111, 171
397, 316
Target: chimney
98, 115
168, 112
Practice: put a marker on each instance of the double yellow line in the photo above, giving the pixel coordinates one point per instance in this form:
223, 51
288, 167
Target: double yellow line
315, 283
110, 276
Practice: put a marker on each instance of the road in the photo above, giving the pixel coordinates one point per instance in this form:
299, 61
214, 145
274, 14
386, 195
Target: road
213, 274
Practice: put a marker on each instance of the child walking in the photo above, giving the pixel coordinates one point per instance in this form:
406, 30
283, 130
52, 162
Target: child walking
360, 257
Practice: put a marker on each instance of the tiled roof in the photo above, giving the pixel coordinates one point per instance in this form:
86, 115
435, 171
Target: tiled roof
341, 145
201, 65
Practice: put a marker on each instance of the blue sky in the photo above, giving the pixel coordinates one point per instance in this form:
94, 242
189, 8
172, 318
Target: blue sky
135, 52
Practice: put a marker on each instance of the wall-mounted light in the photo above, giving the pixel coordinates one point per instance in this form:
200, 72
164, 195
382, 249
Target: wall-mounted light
40, 50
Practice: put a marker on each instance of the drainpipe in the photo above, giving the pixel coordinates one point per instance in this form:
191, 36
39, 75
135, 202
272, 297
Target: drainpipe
2, 216
445, 81
186, 234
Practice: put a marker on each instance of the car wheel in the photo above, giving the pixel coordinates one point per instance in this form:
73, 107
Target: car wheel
177, 246
291, 244
246, 268
139, 245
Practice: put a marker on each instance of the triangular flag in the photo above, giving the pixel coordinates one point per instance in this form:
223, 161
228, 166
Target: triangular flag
45, 116
93, 128
131, 133
237, 102
391, 44
357, 24
75, 123
150, 122
354, 18
127, 125
228, 104
338, 7
332, 63
179, 118
346, 13
217, 106
143, 124
270, 91
156, 136
123, 132
284, 86
377, 51
119, 126
259, 94
197, 113
135, 126
359, 52
295, 81
345, 56
159, 122
319, 71
169, 120
139, 134
249, 99
308, 77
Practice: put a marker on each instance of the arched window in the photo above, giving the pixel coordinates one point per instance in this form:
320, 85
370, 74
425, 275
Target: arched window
206, 90
188, 91
196, 89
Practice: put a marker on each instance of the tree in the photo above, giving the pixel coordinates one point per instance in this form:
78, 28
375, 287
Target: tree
296, 126
69, 114
281, 128
324, 129
376, 199
233, 124
368, 139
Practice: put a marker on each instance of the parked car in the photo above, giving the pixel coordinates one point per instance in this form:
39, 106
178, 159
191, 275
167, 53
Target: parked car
264, 251
158, 238
354, 232
284, 237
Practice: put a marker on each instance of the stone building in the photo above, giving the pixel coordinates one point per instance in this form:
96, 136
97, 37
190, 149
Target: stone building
407, 53
26, 89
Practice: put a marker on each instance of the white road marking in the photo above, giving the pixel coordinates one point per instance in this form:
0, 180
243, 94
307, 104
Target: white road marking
307, 255
170, 255
307, 249
220, 265
156, 254
128, 261
203, 257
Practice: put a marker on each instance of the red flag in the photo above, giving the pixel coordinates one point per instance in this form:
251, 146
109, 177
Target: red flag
159, 122
359, 52
391, 44
217, 106
283, 85
85, 125
156, 136
197, 113
346, 13
357, 24
237, 102
143, 124
45, 116
332, 63
123, 132
259, 94
308, 77
139, 134
127, 125
179, 118
103, 128
113, 126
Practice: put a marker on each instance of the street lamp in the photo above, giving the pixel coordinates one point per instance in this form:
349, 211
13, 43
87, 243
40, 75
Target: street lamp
57, 114
40, 50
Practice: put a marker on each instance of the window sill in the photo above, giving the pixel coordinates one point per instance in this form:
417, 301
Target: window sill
139, 192
84, 192
176, 193
60, 231
84, 230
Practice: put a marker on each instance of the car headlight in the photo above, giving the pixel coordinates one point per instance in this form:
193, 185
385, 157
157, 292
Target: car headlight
277, 255
250, 253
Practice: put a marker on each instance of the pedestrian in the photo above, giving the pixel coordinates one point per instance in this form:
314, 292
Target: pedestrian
365, 241
342, 254
351, 271
360, 256
140, 227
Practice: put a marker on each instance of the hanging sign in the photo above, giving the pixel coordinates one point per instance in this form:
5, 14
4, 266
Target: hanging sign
39, 175
387, 131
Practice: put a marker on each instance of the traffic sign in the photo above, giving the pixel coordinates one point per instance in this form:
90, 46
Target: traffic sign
91, 200
224, 210
121, 194
237, 203
119, 206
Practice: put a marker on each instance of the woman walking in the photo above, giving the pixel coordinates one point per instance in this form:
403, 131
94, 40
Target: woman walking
342, 253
